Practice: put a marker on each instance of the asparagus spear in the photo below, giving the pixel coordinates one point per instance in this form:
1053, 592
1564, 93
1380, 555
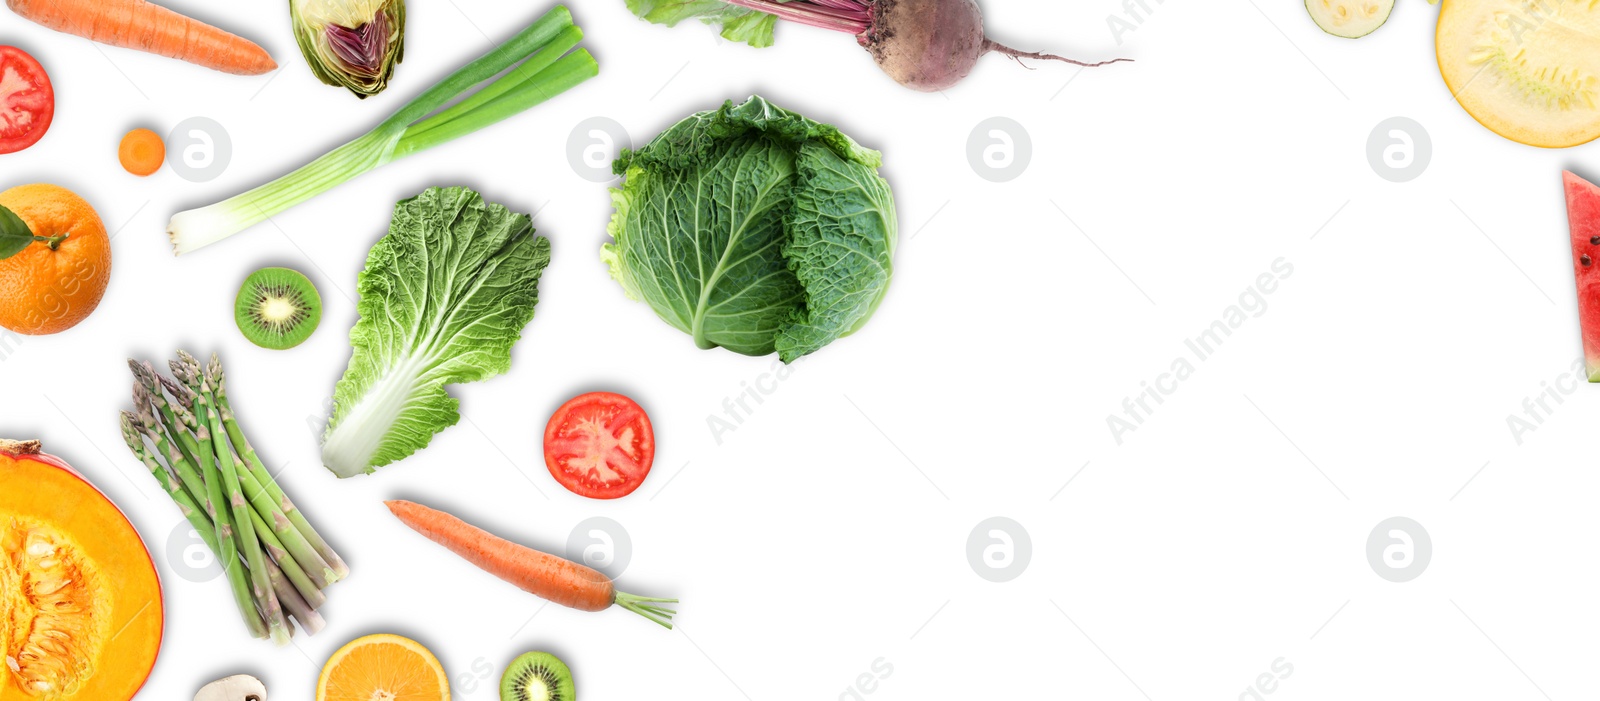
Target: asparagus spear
135, 441
281, 534
229, 555
292, 570
259, 472
309, 591
200, 380
146, 377
291, 600
298, 607
288, 541
274, 507
197, 519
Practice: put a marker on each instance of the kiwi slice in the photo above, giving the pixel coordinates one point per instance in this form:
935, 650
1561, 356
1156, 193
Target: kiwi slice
537, 676
277, 308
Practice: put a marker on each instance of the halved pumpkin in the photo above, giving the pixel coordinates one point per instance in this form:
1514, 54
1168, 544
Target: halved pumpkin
80, 602
1529, 71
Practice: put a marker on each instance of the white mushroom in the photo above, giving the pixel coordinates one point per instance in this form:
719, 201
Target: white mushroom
239, 687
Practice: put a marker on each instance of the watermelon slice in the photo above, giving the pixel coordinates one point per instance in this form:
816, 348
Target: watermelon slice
1583, 217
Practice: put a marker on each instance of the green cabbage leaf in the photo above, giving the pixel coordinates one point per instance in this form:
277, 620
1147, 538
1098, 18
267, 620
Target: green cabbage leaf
755, 229
444, 296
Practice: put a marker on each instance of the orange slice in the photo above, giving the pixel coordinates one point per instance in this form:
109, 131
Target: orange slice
383, 667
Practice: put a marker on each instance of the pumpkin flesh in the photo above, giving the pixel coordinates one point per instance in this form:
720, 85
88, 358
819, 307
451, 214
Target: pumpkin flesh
80, 602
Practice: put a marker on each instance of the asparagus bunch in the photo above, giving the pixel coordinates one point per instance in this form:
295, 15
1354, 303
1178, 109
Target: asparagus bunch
276, 563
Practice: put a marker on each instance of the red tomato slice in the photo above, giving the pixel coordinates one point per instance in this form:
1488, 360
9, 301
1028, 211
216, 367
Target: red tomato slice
27, 101
599, 445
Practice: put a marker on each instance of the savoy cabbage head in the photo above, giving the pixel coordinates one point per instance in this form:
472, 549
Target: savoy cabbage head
755, 229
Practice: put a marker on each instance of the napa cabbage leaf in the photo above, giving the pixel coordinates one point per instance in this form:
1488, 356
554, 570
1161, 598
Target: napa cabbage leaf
444, 296
755, 229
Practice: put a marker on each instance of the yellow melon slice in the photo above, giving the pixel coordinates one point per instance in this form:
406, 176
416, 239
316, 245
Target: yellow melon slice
1529, 70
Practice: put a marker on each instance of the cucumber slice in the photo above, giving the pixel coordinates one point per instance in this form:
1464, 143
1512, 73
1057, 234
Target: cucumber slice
1529, 71
1351, 19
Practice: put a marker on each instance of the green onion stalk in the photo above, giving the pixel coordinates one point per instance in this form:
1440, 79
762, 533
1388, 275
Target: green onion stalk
353, 44
540, 67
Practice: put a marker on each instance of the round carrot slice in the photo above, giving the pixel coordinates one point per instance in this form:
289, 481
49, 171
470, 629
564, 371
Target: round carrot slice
141, 152
599, 445
383, 666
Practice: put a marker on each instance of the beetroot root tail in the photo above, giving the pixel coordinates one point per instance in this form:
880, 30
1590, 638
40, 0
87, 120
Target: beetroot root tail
991, 45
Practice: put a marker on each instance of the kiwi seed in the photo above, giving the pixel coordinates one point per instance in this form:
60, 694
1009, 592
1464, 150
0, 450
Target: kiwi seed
277, 308
537, 676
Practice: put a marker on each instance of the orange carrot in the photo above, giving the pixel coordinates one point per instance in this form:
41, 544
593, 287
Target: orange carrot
556, 579
136, 24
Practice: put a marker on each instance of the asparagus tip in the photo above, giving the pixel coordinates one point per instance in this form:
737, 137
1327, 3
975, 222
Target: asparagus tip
182, 392
128, 432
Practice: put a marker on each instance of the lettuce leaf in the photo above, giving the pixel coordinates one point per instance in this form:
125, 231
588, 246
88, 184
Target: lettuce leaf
755, 229
738, 23
444, 296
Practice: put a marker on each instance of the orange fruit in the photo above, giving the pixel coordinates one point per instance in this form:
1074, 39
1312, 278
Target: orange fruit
44, 291
383, 667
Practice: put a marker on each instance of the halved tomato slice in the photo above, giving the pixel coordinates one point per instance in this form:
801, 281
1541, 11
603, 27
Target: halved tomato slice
27, 101
599, 445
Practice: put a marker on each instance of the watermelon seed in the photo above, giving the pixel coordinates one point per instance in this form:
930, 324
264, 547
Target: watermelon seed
1585, 259
1594, 240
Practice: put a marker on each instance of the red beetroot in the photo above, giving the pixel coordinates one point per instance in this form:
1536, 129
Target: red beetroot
927, 45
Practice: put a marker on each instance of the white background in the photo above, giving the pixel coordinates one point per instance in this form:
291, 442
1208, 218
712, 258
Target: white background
830, 529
